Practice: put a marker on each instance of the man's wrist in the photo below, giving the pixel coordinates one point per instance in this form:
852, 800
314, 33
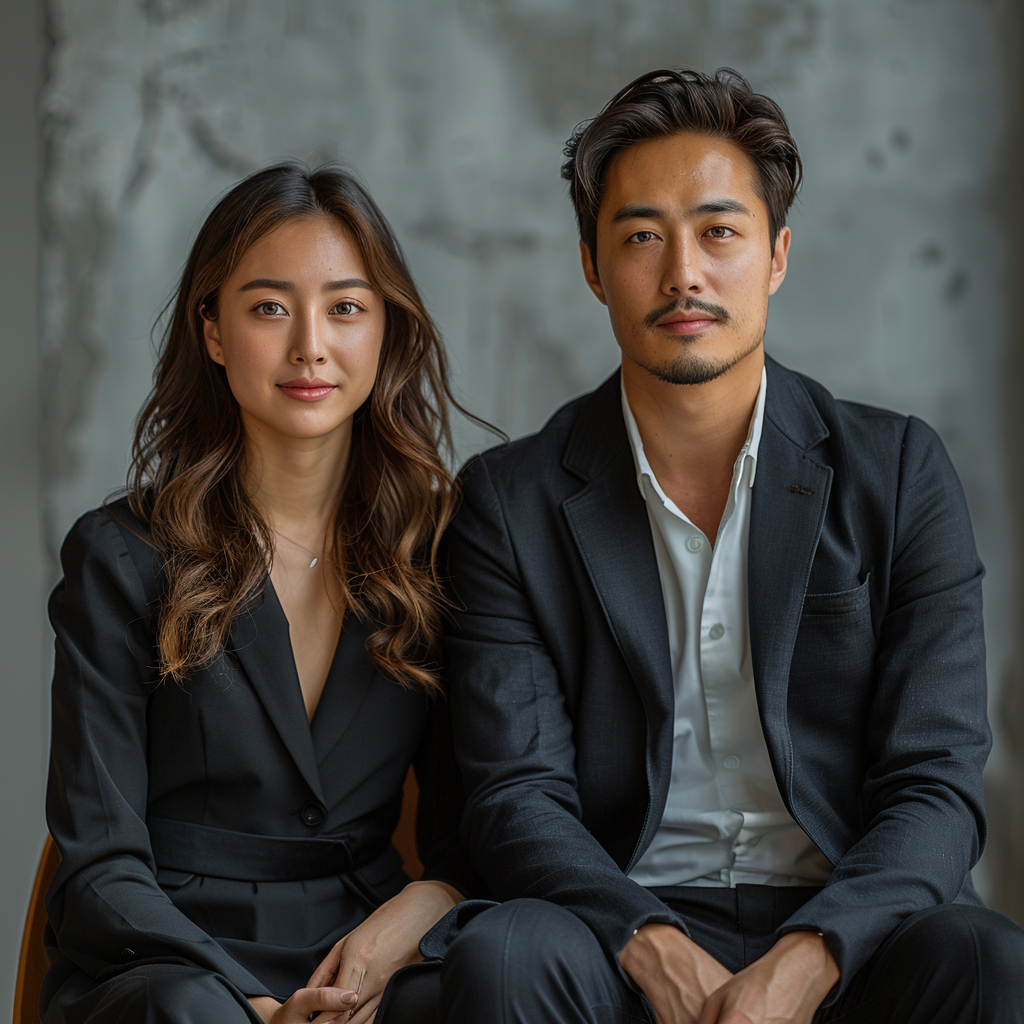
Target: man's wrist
806, 955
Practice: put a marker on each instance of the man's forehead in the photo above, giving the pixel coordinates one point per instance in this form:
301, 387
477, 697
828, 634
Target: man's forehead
687, 169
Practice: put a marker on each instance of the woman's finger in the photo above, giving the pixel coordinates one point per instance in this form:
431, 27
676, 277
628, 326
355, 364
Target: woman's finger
327, 972
366, 1011
330, 1002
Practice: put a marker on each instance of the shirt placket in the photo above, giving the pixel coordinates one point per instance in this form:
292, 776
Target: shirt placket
720, 652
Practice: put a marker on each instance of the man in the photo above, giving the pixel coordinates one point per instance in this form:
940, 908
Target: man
718, 671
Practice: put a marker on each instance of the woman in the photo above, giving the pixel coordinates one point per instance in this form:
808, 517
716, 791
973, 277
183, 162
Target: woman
247, 644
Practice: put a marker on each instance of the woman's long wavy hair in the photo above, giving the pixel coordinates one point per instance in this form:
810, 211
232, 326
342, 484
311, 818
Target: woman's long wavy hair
187, 474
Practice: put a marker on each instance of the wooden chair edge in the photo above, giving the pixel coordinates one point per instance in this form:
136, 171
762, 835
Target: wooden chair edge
32, 962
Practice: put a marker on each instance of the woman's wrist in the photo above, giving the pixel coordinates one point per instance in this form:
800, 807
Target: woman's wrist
265, 1006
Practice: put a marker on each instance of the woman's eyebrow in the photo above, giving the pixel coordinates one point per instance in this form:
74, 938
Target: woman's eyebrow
267, 282
348, 282
289, 286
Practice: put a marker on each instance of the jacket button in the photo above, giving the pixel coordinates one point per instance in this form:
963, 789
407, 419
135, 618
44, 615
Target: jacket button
127, 954
312, 815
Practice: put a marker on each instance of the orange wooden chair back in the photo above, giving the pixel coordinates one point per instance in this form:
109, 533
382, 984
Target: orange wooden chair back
32, 965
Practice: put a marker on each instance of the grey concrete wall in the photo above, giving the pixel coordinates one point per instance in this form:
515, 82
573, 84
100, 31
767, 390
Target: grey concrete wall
22, 720
455, 112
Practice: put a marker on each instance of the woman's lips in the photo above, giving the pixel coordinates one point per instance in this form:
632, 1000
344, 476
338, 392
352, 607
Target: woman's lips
307, 390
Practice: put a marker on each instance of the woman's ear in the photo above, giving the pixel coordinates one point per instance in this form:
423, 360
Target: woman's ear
211, 335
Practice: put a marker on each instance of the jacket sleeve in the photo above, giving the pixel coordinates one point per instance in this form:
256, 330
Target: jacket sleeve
105, 906
439, 811
927, 730
514, 739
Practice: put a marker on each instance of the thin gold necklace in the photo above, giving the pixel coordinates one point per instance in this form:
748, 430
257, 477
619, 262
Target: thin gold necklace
316, 557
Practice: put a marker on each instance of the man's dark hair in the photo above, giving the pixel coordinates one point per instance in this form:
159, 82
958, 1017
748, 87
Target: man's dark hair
667, 101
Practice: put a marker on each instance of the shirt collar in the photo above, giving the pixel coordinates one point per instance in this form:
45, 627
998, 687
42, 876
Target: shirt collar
748, 451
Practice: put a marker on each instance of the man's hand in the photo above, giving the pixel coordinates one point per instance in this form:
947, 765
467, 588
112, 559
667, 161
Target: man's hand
330, 1003
785, 986
675, 974
365, 959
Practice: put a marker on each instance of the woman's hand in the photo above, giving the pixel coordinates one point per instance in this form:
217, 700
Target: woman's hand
365, 959
330, 1003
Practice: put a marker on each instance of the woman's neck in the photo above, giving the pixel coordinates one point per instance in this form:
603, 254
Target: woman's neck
296, 481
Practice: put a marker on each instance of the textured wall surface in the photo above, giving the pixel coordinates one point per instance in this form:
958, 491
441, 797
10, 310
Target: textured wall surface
454, 112
22, 573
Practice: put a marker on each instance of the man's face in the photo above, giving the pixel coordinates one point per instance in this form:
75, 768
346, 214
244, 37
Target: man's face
684, 260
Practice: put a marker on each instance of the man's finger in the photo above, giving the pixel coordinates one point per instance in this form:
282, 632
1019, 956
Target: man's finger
712, 1008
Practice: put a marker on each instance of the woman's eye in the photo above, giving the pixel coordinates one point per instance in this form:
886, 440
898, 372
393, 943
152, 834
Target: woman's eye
346, 308
720, 231
270, 308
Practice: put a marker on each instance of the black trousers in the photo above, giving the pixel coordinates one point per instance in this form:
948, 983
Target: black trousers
531, 962
181, 993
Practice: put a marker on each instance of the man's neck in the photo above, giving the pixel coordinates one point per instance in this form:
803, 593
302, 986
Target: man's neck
692, 433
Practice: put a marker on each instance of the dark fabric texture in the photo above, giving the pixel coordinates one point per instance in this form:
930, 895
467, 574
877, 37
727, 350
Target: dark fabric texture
228, 756
411, 996
152, 993
532, 962
867, 644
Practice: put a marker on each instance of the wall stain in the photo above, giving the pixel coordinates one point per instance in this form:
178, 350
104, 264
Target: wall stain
161, 11
473, 244
1005, 793
571, 53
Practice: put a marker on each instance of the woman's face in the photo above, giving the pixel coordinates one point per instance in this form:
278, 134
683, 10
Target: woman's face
299, 332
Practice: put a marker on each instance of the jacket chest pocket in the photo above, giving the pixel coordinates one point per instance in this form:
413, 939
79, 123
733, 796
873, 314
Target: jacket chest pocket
834, 654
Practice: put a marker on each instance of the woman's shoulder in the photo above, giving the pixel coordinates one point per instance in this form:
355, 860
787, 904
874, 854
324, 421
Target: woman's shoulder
113, 539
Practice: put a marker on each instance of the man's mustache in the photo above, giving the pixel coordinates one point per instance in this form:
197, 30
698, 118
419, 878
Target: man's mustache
685, 305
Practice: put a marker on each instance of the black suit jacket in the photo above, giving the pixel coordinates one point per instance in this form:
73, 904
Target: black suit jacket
866, 636
219, 770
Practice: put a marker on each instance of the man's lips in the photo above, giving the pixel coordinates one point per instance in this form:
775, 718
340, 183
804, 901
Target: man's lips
306, 390
687, 323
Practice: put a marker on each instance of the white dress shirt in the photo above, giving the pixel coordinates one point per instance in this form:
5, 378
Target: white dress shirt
724, 820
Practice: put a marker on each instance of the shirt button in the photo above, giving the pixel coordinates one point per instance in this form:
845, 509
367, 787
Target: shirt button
732, 761
695, 544
717, 631
312, 815
127, 954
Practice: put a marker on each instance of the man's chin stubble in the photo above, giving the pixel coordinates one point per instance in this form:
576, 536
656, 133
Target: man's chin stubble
695, 369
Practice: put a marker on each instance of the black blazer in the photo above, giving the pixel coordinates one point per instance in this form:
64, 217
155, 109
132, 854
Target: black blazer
211, 823
866, 636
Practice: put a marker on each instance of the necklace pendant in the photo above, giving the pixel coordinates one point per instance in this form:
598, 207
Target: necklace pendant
315, 560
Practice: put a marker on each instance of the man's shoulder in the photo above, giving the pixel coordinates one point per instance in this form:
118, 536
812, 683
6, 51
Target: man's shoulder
537, 460
868, 429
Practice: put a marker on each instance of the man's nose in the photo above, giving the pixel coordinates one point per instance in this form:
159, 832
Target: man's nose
683, 271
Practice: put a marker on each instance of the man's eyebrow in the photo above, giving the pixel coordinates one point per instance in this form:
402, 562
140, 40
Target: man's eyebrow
719, 206
635, 211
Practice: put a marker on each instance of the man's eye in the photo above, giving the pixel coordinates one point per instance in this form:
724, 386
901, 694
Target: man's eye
643, 236
720, 231
270, 308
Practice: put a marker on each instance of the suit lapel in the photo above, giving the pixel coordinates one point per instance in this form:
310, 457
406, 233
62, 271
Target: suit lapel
348, 682
609, 523
260, 641
790, 496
